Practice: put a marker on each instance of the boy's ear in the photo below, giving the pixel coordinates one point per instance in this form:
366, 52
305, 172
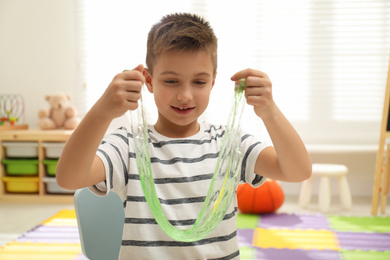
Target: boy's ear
148, 80
215, 76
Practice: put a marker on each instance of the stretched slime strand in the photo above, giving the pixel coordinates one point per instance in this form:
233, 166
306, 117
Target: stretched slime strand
223, 183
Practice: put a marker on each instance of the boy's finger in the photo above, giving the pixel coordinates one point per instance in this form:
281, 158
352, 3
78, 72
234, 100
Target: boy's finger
247, 72
140, 68
239, 75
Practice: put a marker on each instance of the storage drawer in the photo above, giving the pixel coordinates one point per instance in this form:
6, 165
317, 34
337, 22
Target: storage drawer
53, 150
51, 166
53, 187
21, 149
21, 166
21, 184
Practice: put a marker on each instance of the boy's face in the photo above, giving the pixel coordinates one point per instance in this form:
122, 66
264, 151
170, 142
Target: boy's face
181, 83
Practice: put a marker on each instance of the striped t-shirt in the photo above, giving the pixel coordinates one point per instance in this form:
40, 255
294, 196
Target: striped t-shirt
182, 171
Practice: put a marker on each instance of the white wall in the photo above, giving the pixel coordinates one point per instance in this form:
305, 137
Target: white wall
37, 51
38, 56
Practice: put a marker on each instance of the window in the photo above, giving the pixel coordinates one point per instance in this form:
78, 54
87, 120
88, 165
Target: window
327, 59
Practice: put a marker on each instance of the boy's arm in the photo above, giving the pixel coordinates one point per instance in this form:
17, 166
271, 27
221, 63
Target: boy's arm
78, 165
288, 160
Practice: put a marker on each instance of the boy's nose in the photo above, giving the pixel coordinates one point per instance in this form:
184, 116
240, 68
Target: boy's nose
184, 94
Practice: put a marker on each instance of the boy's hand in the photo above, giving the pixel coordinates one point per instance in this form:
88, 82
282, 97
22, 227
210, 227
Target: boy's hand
122, 94
258, 91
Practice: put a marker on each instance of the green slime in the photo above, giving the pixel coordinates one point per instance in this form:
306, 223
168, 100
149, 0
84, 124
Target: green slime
222, 187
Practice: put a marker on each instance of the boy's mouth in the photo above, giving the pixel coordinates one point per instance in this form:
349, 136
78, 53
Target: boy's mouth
183, 110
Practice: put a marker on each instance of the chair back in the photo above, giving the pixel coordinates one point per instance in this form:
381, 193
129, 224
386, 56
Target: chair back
100, 221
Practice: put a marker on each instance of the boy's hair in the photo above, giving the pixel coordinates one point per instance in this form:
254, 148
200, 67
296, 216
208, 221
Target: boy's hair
181, 32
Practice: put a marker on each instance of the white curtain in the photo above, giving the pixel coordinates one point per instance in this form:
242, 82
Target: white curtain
327, 59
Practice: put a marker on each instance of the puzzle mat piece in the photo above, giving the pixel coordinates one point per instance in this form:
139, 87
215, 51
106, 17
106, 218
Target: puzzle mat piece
295, 239
52, 232
33, 248
365, 255
294, 221
245, 237
282, 220
25, 256
364, 241
360, 224
66, 217
54, 229
65, 213
248, 253
247, 221
50, 237
301, 254
61, 222
41, 251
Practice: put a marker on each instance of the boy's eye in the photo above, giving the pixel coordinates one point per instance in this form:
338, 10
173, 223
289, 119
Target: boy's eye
200, 82
170, 81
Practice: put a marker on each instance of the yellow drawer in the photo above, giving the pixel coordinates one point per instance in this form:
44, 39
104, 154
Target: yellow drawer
21, 184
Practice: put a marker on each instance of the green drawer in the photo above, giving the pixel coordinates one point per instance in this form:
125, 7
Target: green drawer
51, 166
21, 166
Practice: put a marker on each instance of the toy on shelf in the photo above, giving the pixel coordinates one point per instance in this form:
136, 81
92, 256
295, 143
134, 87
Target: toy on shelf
12, 112
60, 115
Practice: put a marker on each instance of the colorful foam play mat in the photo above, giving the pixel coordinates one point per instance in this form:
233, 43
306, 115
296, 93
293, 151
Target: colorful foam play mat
270, 236
56, 239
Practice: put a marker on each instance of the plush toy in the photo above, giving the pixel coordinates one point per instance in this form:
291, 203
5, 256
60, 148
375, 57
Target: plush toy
60, 115
265, 199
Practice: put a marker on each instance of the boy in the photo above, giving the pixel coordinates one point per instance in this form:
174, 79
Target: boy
181, 70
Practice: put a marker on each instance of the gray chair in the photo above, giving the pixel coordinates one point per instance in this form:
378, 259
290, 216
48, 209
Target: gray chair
100, 222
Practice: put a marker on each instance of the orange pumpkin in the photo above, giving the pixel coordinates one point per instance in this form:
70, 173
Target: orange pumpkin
265, 199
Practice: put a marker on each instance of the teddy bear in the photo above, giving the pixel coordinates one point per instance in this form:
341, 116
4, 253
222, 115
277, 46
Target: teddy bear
60, 115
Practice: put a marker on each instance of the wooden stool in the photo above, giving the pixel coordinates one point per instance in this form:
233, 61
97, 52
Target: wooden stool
325, 171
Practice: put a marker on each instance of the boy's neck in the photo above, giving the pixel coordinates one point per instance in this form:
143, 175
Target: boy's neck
177, 131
